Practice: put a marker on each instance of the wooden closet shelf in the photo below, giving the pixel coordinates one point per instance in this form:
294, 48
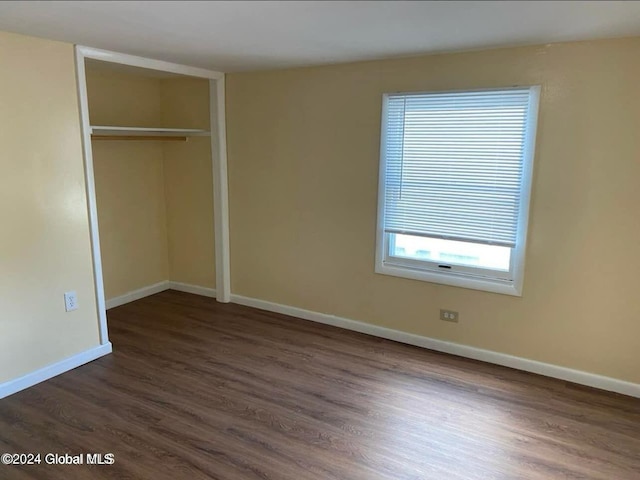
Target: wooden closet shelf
145, 133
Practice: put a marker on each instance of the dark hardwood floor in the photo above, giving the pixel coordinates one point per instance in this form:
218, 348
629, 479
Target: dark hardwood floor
196, 389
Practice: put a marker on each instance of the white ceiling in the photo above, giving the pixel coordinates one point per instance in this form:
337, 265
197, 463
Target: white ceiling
251, 35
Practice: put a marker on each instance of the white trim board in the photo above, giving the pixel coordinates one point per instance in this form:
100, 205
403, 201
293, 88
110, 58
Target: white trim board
92, 205
148, 63
519, 363
218, 127
157, 288
137, 294
50, 371
195, 289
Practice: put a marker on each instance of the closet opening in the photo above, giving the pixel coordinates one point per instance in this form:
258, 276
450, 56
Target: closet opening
155, 167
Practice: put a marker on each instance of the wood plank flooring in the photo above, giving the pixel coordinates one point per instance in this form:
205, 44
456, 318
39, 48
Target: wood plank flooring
200, 390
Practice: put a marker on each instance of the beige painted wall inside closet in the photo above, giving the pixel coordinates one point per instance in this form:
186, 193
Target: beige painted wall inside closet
45, 247
303, 165
155, 199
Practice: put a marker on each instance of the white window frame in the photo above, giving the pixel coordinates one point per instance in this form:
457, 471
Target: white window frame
462, 276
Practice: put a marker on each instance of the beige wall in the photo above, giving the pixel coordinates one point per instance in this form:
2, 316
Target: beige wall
189, 183
303, 164
129, 179
44, 245
155, 199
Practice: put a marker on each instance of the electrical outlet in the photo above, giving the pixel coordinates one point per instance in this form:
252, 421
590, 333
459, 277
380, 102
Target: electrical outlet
449, 316
70, 301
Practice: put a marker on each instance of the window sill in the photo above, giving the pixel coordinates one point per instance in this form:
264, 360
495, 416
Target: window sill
451, 279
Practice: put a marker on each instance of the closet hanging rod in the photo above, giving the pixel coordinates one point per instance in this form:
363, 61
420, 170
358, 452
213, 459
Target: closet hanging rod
153, 138
99, 132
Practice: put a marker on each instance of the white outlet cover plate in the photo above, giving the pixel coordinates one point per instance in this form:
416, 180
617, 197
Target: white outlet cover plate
70, 301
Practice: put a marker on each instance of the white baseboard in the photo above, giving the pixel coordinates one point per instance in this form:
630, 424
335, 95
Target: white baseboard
157, 288
533, 366
50, 371
138, 294
195, 289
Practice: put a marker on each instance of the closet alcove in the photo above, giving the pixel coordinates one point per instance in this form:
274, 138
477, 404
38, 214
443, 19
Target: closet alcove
155, 158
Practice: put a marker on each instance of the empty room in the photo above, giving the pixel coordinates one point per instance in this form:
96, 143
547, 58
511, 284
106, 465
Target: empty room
320, 240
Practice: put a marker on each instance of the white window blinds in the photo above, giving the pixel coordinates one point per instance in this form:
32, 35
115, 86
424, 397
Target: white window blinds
454, 164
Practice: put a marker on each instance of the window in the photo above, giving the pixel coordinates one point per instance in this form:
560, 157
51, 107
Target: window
455, 178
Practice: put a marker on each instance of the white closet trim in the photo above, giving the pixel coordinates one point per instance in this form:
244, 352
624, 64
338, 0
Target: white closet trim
151, 64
